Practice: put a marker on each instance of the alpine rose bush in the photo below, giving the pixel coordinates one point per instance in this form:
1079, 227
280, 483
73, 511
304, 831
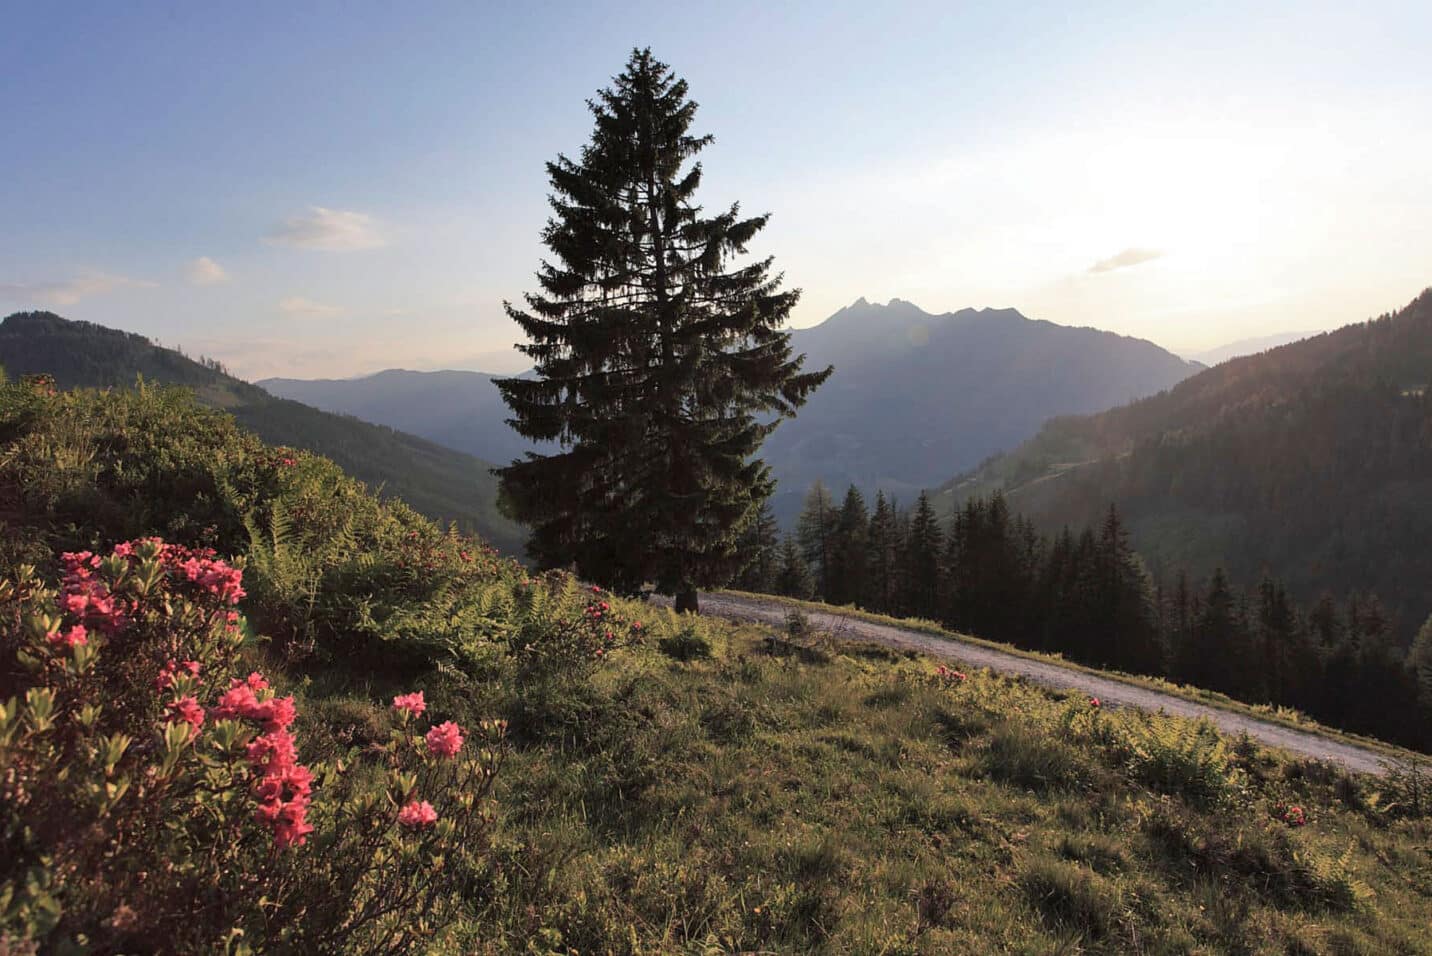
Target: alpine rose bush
154, 798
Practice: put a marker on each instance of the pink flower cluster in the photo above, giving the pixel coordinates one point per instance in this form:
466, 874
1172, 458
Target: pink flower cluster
283, 787
444, 740
418, 815
215, 576
70, 637
1293, 816
950, 676
186, 710
87, 598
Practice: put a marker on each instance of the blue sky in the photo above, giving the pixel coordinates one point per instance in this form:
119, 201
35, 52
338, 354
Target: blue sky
329, 189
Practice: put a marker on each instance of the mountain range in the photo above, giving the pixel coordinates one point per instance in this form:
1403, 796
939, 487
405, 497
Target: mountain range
914, 396
438, 481
1242, 347
1312, 460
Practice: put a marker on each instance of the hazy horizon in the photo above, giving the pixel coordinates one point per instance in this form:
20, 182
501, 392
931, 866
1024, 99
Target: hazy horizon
324, 193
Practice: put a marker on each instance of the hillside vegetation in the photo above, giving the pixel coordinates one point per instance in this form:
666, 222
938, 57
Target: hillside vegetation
1312, 461
663, 785
441, 483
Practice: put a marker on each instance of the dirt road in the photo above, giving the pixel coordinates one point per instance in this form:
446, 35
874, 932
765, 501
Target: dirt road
1113, 692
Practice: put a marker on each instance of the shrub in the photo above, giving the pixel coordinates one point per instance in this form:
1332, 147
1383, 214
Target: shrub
155, 800
686, 645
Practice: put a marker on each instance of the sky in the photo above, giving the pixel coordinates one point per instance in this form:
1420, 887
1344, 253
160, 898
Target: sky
325, 190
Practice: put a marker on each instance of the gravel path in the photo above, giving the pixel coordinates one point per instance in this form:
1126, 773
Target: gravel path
1113, 692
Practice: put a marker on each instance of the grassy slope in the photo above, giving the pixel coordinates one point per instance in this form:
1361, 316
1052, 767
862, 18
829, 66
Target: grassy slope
832, 799
849, 802
445, 485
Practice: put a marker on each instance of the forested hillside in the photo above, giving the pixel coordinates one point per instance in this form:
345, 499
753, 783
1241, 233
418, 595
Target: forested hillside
1312, 461
439, 482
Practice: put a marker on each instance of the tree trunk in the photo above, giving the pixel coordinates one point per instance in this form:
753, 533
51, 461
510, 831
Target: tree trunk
686, 601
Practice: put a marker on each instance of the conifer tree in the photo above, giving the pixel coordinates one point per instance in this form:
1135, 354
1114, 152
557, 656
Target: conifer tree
922, 560
880, 581
815, 529
1420, 660
1211, 658
852, 528
793, 577
661, 363
760, 549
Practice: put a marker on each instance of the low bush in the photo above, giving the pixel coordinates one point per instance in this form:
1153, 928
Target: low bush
686, 645
154, 799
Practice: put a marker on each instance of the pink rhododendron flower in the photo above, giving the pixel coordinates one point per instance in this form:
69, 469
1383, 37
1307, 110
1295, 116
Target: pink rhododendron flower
187, 710
75, 636
410, 703
276, 713
237, 701
444, 740
272, 751
418, 815
1095, 703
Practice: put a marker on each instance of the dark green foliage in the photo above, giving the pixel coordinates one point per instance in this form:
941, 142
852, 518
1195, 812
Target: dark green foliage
816, 532
793, 577
661, 365
443, 484
760, 549
882, 569
686, 645
849, 556
921, 560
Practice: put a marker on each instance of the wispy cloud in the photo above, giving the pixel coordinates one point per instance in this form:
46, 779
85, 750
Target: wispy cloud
205, 271
332, 230
71, 291
1129, 257
301, 307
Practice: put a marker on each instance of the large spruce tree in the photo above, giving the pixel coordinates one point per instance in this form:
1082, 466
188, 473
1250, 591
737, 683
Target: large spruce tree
661, 364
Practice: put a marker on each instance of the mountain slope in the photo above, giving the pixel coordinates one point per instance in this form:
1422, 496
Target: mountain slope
459, 409
915, 395
1313, 460
437, 481
1242, 347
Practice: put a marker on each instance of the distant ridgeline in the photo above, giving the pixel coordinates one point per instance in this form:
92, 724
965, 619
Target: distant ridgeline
914, 398
1312, 461
443, 484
